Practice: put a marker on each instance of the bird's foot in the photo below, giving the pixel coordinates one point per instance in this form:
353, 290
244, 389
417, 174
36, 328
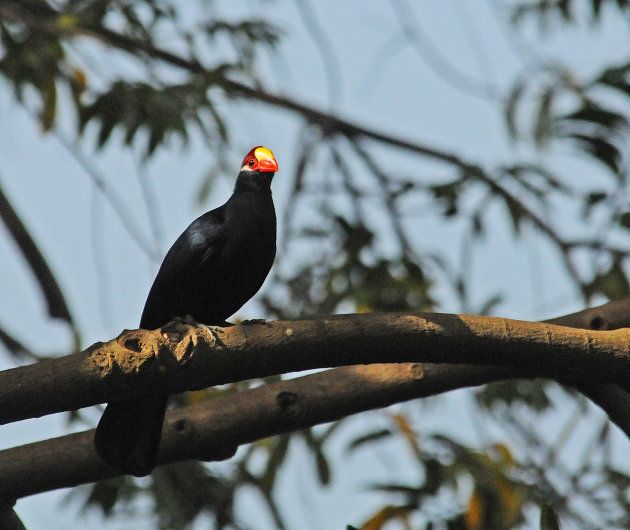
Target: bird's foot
215, 331
176, 322
177, 328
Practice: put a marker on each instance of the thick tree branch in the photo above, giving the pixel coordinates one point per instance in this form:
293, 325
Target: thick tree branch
613, 315
214, 429
613, 399
180, 357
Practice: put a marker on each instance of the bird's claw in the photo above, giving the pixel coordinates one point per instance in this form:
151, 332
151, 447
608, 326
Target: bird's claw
214, 331
176, 328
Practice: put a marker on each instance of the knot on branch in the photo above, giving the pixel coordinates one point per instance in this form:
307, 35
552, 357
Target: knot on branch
289, 404
416, 370
162, 350
132, 351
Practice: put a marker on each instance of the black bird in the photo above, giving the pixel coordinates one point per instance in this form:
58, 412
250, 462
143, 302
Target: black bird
214, 267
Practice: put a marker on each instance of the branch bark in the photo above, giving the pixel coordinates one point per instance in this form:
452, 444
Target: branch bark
213, 430
180, 357
611, 398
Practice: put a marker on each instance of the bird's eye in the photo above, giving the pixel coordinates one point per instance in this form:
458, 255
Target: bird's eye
251, 163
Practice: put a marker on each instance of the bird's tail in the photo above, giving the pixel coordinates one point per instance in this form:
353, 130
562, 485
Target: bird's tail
128, 435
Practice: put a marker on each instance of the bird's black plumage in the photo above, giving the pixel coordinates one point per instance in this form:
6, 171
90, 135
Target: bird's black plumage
218, 263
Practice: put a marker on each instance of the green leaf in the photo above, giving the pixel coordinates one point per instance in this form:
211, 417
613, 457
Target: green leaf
543, 127
592, 200
624, 220
14, 346
477, 224
615, 77
528, 392
612, 283
323, 467
315, 444
529, 171
548, 518
511, 107
487, 307
595, 198
591, 112
184, 490
516, 212
596, 7
369, 438
447, 195
277, 454
387, 514
49, 109
600, 149
105, 494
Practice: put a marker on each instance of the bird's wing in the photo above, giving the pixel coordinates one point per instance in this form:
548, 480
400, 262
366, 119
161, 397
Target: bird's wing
197, 245
192, 252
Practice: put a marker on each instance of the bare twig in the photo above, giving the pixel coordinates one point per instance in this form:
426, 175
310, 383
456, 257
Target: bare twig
57, 306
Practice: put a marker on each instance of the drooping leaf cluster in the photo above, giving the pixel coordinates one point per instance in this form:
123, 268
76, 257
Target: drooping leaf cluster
36, 39
545, 12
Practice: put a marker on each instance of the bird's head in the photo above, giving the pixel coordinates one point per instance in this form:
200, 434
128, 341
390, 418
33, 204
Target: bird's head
260, 159
257, 170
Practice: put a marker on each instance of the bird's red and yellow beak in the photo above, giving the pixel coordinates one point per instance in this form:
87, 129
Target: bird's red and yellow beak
266, 161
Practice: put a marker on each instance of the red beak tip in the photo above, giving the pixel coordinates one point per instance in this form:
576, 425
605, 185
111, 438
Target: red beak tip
268, 165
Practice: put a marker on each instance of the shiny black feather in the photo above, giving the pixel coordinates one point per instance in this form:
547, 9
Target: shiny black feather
216, 265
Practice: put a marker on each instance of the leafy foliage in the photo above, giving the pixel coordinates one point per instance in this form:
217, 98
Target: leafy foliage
31, 59
160, 112
565, 10
496, 499
383, 285
33, 37
531, 393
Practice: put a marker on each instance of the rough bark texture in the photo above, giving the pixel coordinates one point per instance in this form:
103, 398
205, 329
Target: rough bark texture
187, 358
214, 429
613, 399
613, 315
